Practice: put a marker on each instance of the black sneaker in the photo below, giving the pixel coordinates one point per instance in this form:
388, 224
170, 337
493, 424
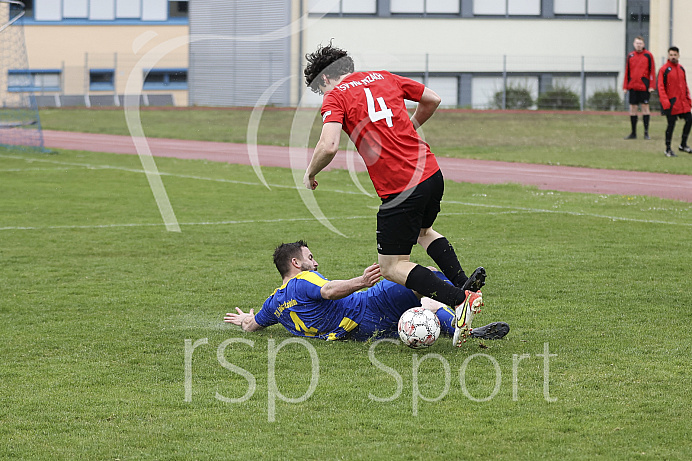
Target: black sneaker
476, 281
495, 330
687, 149
669, 152
646, 136
631, 136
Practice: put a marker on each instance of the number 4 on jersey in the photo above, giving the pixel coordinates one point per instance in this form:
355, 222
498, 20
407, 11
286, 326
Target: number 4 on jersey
375, 115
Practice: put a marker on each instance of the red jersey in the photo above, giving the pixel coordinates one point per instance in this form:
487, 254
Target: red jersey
371, 109
672, 89
640, 71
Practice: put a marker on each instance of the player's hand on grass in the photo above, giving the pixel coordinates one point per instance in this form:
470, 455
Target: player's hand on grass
371, 275
237, 319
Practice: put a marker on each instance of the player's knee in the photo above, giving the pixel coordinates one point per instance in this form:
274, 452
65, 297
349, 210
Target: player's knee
388, 271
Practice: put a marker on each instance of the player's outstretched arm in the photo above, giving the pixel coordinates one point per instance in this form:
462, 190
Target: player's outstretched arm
426, 107
324, 153
244, 320
337, 289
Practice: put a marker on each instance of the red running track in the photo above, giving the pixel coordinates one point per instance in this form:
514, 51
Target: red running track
547, 177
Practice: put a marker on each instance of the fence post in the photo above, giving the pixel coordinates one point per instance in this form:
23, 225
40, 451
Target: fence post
427, 69
87, 77
116, 101
504, 81
582, 100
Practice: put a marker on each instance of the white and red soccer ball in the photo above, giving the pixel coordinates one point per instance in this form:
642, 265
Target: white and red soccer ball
419, 327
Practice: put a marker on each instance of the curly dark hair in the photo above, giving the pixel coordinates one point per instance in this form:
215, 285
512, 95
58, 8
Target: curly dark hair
285, 252
328, 60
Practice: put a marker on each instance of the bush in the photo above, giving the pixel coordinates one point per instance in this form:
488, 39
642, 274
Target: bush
559, 98
517, 98
605, 100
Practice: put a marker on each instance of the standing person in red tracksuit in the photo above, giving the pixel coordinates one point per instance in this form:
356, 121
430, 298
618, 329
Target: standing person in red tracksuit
675, 99
640, 73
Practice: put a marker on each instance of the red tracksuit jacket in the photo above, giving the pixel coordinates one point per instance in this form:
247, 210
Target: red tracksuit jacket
672, 89
640, 71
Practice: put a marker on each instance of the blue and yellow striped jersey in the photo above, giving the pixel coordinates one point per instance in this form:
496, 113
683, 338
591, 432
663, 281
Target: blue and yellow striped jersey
299, 306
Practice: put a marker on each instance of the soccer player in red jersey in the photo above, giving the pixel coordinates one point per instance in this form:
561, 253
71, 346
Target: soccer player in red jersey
370, 107
640, 74
675, 99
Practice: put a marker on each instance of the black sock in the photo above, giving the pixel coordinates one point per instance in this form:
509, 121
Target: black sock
646, 123
442, 252
633, 121
426, 283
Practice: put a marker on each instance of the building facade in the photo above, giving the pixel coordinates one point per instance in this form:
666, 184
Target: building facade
93, 52
247, 52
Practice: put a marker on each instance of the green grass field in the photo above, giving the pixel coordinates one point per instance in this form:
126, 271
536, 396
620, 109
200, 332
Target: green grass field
101, 308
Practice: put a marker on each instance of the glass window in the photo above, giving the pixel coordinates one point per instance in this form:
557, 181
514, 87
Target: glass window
359, 6
131, 9
75, 8
155, 10
447, 88
483, 91
603, 6
101, 10
571, 83
33, 80
442, 6
48, 11
28, 9
101, 79
178, 9
324, 6
343, 6
569, 6
490, 7
594, 84
407, 6
165, 79
524, 7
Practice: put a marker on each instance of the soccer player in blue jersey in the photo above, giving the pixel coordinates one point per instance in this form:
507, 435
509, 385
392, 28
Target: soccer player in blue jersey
309, 305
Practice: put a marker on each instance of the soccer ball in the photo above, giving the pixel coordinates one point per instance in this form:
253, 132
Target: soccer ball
419, 327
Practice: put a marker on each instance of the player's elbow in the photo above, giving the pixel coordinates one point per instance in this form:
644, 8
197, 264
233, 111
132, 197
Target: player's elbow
431, 99
329, 148
328, 293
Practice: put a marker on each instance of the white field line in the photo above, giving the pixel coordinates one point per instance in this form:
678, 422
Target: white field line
510, 209
22, 170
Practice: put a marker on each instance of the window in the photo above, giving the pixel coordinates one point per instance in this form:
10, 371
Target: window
28, 9
128, 9
75, 9
85, 11
33, 80
101, 10
581, 7
343, 6
447, 88
101, 80
507, 8
425, 6
177, 9
165, 79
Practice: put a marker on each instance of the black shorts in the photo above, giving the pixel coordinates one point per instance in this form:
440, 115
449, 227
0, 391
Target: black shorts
402, 216
639, 97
